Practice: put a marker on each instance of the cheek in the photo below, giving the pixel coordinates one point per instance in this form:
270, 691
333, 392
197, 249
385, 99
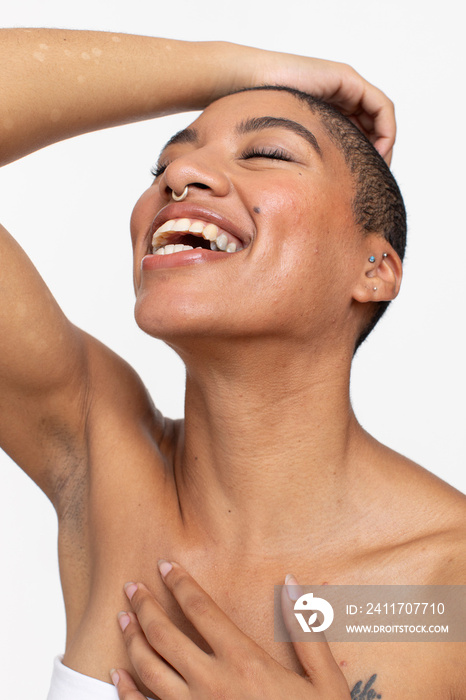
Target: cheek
141, 218
296, 223
141, 215
303, 239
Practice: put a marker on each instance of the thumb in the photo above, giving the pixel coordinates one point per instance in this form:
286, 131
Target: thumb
311, 648
126, 687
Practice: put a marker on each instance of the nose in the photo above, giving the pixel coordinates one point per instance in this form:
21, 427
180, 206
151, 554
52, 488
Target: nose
199, 169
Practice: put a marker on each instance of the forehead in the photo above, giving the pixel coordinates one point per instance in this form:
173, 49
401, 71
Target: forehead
277, 102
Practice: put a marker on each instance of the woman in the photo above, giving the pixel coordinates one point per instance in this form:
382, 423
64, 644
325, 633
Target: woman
267, 332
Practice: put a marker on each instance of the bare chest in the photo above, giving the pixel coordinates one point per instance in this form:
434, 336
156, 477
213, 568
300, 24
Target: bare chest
246, 595
127, 532
391, 671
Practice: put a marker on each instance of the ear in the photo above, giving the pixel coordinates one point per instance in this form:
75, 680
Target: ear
381, 271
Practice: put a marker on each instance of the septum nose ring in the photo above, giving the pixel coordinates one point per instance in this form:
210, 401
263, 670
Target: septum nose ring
180, 197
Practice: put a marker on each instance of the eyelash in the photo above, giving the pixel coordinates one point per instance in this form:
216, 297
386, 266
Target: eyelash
274, 154
157, 170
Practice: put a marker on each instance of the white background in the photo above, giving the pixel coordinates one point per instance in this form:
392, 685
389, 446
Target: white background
69, 207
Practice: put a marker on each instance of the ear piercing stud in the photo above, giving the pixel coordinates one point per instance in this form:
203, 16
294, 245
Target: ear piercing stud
372, 258
180, 197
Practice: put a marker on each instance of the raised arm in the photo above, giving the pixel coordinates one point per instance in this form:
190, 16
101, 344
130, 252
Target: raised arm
59, 83
55, 84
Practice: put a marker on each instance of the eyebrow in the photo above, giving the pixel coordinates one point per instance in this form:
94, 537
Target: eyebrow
259, 123
190, 135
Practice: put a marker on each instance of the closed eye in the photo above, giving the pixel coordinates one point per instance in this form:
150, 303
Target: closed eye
158, 169
272, 153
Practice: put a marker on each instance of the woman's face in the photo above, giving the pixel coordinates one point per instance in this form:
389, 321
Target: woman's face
260, 166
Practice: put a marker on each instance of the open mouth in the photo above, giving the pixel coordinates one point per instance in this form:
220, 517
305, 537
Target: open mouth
178, 235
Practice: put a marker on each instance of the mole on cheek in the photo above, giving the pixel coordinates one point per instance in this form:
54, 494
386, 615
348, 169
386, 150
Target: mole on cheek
257, 210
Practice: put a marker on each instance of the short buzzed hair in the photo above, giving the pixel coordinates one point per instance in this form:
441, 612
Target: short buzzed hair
377, 203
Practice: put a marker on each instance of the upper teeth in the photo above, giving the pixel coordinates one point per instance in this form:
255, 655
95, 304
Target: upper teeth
208, 231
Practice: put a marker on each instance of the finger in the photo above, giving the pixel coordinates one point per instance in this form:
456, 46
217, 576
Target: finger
388, 157
315, 657
153, 671
210, 621
375, 112
125, 685
158, 632
377, 107
379, 127
380, 143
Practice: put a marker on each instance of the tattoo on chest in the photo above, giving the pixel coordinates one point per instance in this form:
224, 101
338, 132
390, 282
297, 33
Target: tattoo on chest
367, 691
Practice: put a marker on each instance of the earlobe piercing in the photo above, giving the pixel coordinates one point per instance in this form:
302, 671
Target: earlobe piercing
180, 197
375, 289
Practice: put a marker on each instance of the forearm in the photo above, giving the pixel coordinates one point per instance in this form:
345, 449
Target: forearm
55, 84
59, 83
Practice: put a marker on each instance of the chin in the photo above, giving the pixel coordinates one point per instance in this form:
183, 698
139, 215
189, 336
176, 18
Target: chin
173, 322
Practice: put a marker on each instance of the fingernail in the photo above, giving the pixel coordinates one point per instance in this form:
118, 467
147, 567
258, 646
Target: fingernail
114, 676
292, 588
123, 620
164, 567
130, 589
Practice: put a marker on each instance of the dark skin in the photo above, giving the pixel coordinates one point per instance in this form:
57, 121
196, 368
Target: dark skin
222, 491
363, 501
177, 672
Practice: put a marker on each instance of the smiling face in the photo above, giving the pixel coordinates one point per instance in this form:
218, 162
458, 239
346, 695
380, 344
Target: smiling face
267, 187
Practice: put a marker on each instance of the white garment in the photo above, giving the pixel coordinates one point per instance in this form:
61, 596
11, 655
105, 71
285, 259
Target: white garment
67, 684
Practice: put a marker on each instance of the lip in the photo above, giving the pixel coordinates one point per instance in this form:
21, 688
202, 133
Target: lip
182, 259
193, 211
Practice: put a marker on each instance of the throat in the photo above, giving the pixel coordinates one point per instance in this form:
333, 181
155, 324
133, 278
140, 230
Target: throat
253, 465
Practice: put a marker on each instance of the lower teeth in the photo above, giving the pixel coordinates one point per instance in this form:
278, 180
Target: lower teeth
179, 247
169, 249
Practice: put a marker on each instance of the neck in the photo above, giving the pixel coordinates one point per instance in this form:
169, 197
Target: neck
267, 443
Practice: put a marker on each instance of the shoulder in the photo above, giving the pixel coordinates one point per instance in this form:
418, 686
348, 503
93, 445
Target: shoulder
419, 495
436, 512
419, 521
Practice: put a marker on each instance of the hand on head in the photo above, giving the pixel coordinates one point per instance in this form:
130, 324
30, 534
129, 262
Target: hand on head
339, 85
